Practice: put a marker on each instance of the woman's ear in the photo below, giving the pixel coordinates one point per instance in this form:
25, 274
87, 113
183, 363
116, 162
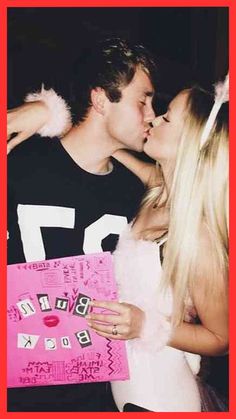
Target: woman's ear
98, 99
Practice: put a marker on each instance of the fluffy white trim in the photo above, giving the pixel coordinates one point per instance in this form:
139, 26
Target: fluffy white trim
59, 121
138, 273
194, 361
155, 334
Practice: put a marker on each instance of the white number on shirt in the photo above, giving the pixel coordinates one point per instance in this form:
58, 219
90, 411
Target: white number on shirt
32, 217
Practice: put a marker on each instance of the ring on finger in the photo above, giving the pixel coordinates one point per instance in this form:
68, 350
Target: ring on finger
114, 330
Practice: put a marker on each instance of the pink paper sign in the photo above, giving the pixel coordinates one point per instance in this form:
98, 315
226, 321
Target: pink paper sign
49, 341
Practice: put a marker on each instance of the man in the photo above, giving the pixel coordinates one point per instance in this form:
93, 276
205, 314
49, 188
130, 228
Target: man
68, 197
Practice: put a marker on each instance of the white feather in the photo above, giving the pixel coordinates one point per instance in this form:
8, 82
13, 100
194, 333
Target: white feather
59, 121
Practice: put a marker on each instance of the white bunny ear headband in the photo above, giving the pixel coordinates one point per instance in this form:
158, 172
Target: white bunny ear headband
221, 96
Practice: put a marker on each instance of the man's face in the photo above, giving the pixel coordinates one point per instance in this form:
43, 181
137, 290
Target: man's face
127, 121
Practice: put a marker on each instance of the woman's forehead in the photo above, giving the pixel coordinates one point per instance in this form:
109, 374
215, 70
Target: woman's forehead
178, 104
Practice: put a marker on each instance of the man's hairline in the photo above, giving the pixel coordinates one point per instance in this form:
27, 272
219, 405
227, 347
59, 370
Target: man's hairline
139, 66
145, 70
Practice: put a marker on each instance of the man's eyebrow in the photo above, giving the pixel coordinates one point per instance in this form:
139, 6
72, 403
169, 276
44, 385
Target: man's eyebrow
149, 93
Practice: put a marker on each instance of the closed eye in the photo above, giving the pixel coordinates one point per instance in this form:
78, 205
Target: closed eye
165, 119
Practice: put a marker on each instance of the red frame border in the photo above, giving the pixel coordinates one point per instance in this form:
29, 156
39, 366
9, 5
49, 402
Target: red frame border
3, 83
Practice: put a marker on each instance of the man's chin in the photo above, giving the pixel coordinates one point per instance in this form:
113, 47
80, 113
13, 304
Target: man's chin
139, 149
136, 148
142, 145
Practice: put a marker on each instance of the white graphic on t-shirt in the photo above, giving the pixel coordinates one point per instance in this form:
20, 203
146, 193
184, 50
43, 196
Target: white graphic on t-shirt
32, 217
97, 231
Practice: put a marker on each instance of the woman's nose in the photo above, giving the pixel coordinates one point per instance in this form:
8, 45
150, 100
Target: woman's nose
156, 121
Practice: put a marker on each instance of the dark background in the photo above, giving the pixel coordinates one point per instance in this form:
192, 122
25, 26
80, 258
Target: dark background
190, 44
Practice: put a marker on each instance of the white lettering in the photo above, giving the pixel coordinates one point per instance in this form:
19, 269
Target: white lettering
84, 338
26, 341
61, 304
97, 231
81, 305
65, 342
44, 302
26, 308
50, 344
32, 217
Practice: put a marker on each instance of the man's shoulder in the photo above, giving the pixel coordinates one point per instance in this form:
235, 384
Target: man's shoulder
34, 144
29, 155
31, 150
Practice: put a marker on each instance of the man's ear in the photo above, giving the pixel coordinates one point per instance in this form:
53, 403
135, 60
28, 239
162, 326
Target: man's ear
98, 99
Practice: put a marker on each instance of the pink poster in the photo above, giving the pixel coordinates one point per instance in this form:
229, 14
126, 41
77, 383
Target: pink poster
49, 341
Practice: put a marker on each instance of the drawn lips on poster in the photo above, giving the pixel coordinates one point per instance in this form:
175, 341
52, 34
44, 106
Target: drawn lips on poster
49, 341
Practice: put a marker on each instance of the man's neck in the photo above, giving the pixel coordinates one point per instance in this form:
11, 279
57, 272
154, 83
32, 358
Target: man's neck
89, 147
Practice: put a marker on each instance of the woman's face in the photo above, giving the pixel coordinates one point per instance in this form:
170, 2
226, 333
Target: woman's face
164, 138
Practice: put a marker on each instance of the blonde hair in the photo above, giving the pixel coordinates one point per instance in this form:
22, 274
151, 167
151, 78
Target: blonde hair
198, 199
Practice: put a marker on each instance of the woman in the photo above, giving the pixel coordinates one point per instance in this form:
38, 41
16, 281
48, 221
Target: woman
187, 198
190, 202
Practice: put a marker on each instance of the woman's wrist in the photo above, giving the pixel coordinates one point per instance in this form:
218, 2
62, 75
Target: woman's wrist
59, 116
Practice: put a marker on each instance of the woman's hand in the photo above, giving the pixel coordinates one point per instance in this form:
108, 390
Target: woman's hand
25, 121
125, 323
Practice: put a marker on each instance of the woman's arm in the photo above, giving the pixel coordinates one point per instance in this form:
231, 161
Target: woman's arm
148, 173
211, 336
200, 340
208, 338
44, 112
25, 120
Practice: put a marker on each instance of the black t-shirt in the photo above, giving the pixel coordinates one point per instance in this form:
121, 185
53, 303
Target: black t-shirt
56, 209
